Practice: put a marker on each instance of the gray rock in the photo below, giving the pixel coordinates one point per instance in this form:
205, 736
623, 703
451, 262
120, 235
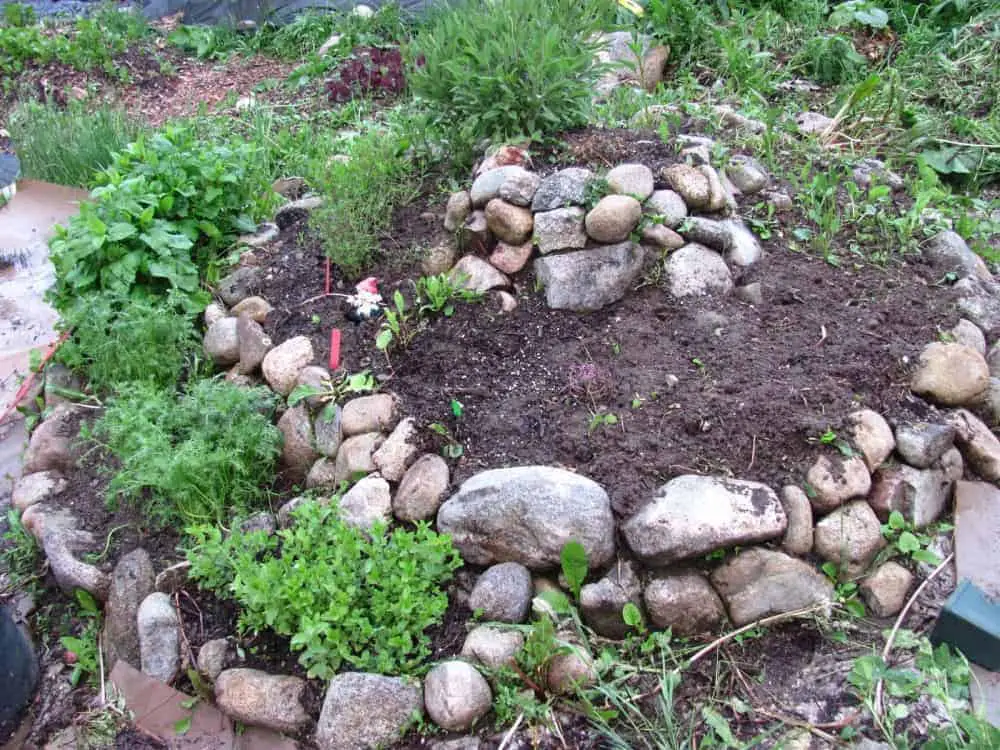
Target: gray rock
510, 259
31, 489
262, 520
589, 279
222, 342
212, 657
285, 515
837, 479
922, 443
282, 365
969, 334
729, 236
377, 413
398, 450
457, 211
131, 582
261, 699
441, 257
492, 647
239, 285
422, 489
567, 187
472, 272
708, 232
297, 452
213, 312
159, 637
872, 435
560, 229
487, 186
509, 223
952, 464
355, 456
979, 301
744, 249
613, 218
61, 538
368, 502
601, 603
980, 447
850, 537
365, 711
323, 474
885, 590
871, 171
635, 180
257, 308
947, 252
812, 123
475, 233
798, 538
718, 198
526, 515
456, 695
746, 174
759, 582
685, 602
569, 671
502, 593
691, 184
254, 344
520, 187
667, 205
53, 445
694, 271
751, 293
327, 431
921, 495
661, 237
692, 515
950, 374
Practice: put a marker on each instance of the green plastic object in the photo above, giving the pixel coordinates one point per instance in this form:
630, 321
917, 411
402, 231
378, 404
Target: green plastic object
970, 622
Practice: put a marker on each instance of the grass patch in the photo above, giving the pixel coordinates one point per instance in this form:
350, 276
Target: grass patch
68, 145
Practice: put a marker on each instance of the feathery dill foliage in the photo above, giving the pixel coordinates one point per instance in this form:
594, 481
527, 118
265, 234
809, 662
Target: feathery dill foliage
117, 341
522, 68
196, 458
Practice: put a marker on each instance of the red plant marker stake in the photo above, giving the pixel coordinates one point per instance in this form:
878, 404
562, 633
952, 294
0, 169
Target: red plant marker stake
334, 349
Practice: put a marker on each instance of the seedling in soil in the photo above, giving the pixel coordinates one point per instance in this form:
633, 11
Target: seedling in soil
831, 438
398, 326
700, 365
457, 408
331, 392
905, 540
452, 447
437, 294
81, 650
602, 419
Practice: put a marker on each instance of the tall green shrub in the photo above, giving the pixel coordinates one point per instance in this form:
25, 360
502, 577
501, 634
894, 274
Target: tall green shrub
515, 68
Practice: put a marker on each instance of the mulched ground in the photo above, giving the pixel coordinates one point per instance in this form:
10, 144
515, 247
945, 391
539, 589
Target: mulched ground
708, 386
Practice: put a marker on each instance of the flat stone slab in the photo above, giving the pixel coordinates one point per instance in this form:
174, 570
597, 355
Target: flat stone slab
977, 558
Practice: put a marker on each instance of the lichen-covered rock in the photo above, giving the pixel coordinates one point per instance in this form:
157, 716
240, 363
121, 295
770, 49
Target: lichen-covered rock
560, 229
567, 187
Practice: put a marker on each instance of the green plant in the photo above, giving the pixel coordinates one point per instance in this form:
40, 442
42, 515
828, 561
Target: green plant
904, 539
20, 555
81, 649
68, 144
859, 13
399, 325
452, 447
846, 591
114, 339
525, 69
600, 419
18, 14
333, 391
831, 59
437, 294
191, 459
344, 595
378, 175
573, 560
159, 217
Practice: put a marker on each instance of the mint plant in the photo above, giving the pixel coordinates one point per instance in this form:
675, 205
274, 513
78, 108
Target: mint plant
345, 596
160, 215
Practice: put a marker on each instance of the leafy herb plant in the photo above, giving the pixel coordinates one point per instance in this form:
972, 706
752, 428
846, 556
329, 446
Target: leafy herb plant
345, 596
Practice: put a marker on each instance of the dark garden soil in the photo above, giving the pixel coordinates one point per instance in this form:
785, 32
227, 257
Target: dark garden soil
714, 386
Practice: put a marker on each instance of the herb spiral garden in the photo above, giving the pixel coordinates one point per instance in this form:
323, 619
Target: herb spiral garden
509, 378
